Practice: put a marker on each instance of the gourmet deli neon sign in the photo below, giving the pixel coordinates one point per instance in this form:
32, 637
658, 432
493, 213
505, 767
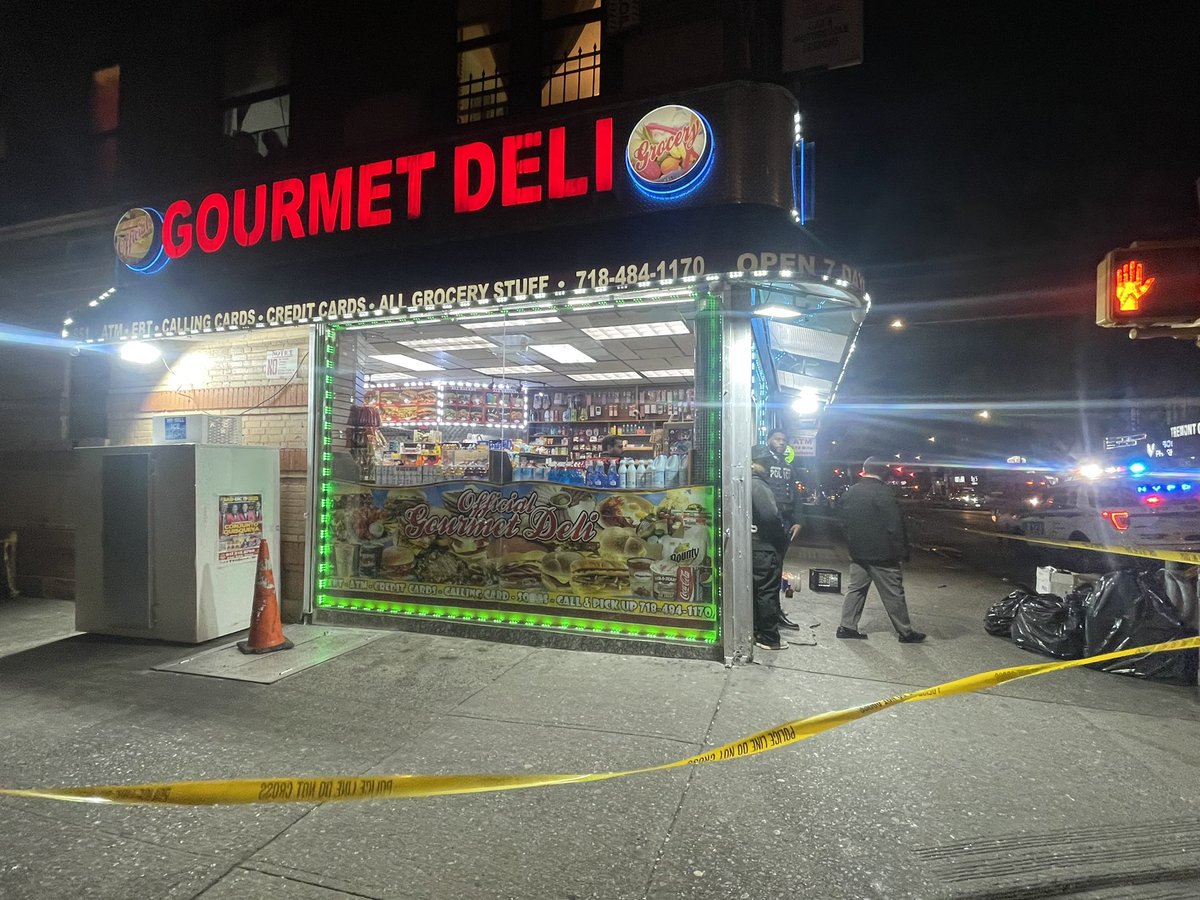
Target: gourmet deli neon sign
527, 168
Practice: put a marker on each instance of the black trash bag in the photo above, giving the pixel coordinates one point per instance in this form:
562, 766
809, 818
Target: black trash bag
999, 618
1129, 609
1050, 624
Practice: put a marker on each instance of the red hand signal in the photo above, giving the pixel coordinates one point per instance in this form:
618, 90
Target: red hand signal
1131, 287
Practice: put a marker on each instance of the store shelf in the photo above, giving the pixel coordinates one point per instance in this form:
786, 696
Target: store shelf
613, 421
667, 423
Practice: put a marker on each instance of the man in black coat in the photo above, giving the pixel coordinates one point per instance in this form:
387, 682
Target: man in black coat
878, 545
769, 541
779, 477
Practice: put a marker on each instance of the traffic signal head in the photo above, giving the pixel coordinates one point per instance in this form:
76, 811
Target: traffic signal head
1149, 284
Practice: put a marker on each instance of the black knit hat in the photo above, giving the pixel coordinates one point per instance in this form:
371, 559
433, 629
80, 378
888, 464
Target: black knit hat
761, 453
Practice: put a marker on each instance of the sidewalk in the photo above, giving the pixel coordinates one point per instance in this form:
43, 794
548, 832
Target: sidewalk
1076, 783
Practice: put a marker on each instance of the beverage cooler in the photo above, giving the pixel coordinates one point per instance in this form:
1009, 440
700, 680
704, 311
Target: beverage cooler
167, 538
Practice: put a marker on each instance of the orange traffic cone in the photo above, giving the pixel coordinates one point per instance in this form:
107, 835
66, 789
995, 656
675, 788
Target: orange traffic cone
266, 631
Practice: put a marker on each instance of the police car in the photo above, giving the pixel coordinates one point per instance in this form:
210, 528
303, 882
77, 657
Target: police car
1142, 512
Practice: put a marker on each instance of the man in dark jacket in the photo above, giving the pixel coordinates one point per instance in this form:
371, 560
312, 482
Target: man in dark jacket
768, 543
781, 480
878, 544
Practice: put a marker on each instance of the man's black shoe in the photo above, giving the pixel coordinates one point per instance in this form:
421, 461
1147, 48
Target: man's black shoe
851, 633
913, 637
780, 644
785, 622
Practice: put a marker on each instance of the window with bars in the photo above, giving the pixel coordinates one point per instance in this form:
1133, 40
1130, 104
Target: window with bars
495, 70
257, 102
484, 59
570, 68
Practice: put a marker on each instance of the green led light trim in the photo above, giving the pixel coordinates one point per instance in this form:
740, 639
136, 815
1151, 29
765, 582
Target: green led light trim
324, 600
707, 467
561, 623
325, 513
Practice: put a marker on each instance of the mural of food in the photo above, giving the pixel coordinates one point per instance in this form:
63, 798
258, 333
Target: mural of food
528, 546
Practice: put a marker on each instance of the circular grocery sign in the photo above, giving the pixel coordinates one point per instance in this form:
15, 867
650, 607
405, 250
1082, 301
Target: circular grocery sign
669, 151
137, 240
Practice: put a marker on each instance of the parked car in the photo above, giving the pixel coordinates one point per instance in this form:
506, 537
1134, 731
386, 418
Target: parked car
1142, 513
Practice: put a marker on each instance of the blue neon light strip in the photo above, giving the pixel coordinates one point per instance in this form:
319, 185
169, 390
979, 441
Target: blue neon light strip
161, 259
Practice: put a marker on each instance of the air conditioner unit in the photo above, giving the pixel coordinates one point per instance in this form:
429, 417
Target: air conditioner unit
197, 428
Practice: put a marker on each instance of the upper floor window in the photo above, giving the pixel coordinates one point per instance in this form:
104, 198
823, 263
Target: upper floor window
484, 59
106, 118
559, 64
570, 51
256, 87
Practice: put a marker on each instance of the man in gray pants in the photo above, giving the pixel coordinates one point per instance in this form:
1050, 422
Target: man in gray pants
878, 544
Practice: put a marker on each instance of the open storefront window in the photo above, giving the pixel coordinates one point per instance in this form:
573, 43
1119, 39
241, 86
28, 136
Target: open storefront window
540, 467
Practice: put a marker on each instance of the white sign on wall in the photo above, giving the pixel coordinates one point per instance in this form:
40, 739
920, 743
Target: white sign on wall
825, 33
282, 363
1131, 440
805, 443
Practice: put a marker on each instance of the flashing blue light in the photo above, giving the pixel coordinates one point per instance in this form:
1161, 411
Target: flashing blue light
1137, 468
1168, 488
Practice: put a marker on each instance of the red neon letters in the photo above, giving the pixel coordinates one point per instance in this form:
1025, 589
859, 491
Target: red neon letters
529, 167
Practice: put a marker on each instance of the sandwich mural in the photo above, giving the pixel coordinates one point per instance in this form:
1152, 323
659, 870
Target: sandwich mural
536, 547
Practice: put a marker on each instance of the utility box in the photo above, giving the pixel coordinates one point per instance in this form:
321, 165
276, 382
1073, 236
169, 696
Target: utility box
167, 538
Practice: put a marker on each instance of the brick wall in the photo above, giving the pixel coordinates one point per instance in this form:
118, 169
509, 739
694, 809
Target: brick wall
36, 479
225, 375
33, 397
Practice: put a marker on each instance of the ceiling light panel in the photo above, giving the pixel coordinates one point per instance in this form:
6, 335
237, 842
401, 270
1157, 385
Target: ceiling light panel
641, 330
669, 373
513, 370
447, 343
798, 382
801, 341
512, 323
777, 311
407, 362
562, 353
604, 376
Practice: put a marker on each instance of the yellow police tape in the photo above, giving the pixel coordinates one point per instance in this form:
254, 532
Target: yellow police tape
323, 790
1182, 556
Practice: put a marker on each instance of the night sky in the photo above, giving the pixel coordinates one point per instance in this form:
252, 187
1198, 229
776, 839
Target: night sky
977, 166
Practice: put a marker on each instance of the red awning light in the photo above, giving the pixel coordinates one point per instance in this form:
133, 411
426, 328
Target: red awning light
1119, 518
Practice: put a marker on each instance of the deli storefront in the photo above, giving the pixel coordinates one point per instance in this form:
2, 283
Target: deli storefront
540, 358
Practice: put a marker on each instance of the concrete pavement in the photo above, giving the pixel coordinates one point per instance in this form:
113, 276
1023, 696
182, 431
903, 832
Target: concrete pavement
1074, 784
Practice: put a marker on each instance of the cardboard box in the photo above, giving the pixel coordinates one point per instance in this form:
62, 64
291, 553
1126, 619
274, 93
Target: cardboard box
1059, 581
